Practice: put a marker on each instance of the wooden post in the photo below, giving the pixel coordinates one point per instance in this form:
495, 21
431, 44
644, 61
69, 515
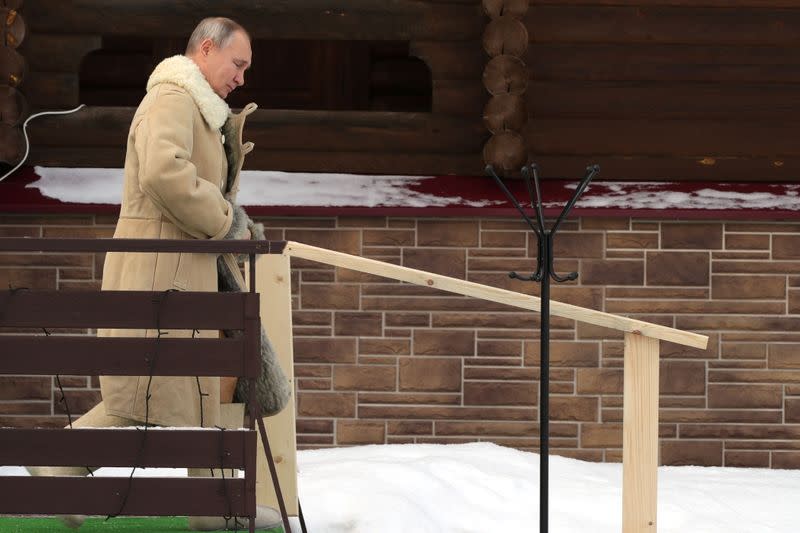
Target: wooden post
640, 434
273, 278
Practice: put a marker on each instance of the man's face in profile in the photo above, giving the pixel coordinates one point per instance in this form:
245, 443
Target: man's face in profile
225, 67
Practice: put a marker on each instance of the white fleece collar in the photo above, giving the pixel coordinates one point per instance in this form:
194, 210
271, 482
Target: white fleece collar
183, 72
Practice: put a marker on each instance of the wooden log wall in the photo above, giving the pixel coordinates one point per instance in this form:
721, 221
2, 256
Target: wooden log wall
651, 90
13, 106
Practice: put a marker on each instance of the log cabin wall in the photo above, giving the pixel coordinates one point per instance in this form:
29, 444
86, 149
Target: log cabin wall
656, 90
13, 104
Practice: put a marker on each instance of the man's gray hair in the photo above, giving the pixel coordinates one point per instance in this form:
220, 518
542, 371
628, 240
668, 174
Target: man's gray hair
219, 29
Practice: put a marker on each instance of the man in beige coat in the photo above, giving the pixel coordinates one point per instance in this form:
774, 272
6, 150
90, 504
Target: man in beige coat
184, 155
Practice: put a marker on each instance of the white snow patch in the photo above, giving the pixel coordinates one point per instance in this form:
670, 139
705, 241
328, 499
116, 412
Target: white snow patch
643, 195
483, 487
260, 188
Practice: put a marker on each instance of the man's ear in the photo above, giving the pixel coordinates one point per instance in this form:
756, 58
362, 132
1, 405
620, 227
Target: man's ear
206, 46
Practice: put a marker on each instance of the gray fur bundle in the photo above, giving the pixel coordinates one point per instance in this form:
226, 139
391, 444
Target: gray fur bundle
272, 386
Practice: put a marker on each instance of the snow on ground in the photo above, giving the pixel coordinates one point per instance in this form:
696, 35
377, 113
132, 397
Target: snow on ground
482, 487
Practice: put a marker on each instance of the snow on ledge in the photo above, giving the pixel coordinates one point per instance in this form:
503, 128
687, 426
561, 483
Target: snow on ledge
273, 193
262, 188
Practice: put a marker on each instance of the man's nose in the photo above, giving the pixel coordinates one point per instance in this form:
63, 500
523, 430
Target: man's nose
239, 79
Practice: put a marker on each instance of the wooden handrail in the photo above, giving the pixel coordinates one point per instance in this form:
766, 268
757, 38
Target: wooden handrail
484, 292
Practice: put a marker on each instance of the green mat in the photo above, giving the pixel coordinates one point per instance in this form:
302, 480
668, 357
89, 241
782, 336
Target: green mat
95, 525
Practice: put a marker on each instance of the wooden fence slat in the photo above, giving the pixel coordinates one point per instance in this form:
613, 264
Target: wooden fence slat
17, 244
113, 356
162, 448
104, 496
123, 309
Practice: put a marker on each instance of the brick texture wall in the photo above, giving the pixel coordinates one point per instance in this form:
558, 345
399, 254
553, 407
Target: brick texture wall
382, 362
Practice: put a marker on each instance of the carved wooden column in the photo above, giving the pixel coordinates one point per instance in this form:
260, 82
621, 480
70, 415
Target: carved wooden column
13, 107
505, 39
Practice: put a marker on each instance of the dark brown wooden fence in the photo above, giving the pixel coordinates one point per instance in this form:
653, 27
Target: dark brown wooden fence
52, 354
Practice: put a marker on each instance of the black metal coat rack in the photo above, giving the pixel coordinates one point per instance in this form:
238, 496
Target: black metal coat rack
544, 272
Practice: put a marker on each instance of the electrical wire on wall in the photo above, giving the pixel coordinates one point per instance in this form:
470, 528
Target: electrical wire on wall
27, 140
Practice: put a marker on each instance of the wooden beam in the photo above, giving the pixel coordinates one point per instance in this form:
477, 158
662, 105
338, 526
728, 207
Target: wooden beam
484, 292
613, 62
364, 131
647, 23
673, 24
276, 19
621, 137
404, 163
631, 100
273, 281
640, 435
58, 53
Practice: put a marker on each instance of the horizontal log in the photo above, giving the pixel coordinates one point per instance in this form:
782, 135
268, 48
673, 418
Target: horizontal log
105, 356
105, 496
666, 168
636, 137
710, 167
576, 99
620, 62
383, 162
79, 156
663, 24
277, 19
451, 60
51, 90
690, 3
126, 309
160, 448
288, 130
673, 63
58, 52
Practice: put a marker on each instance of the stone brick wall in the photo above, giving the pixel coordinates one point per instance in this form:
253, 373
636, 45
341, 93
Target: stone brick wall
378, 361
